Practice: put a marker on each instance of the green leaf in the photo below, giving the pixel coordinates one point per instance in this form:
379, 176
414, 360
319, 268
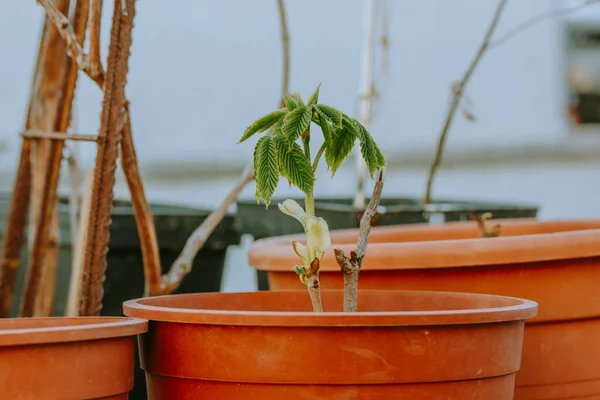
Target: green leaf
323, 122
264, 123
298, 99
290, 102
342, 141
331, 114
294, 165
314, 98
370, 151
266, 168
296, 123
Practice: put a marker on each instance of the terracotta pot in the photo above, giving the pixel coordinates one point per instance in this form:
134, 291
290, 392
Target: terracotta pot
68, 358
554, 263
270, 345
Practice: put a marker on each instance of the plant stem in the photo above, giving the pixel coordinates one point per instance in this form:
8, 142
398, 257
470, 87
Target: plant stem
318, 156
306, 142
457, 92
314, 291
313, 283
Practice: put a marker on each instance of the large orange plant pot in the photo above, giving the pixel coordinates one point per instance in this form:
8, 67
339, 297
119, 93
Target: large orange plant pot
67, 358
554, 263
270, 345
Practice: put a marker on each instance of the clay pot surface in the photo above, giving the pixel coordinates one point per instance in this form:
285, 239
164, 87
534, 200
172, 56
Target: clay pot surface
554, 263
68, 358
400, 345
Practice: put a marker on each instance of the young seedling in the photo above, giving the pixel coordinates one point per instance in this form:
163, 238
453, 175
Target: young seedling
285, 152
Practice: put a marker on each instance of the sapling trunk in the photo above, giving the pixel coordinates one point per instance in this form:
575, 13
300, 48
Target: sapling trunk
351, 266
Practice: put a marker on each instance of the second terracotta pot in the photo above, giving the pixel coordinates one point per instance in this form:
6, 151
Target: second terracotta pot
554, 263
68, 358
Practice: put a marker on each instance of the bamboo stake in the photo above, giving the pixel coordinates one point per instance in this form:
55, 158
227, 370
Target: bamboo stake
113, 120
51, 174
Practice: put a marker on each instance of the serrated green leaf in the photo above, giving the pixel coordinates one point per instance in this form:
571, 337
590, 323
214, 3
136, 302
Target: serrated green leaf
264, 123
322, 120
314, 98
296, 123
290, 102
266, 168
333, 115
342, 141
294, 165
370, 151
298, 99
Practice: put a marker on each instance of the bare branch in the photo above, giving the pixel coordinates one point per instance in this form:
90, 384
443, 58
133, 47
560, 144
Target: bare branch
285, 46
457, 92
486, 231
536, 20
367, 93
66, 31
96, 70
183, 264
351, 266
75, 49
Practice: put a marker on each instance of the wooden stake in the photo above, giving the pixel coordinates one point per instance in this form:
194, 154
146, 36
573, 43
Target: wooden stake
50, 175
112, 122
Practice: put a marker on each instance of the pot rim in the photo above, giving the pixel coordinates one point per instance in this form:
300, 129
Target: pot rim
272, 254
49, 330
514, 310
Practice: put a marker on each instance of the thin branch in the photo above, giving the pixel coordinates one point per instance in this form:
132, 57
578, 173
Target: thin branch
72, 306
366, 96
39, 134
457, 92
95, 62
351, 266
285, 45
142, 212
183, 264
525, 25
486, 231
75, 49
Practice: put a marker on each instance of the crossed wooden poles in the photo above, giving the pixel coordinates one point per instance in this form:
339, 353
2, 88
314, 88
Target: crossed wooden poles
60, 58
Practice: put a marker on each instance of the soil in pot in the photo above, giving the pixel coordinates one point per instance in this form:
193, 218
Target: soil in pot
270, 345
341, 214
554, 263
68, 358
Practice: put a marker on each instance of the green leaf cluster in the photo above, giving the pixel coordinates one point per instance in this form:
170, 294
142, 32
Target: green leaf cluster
279, 154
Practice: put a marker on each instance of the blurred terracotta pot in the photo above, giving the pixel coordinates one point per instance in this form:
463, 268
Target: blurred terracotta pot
554, 263
68, 358
270, 345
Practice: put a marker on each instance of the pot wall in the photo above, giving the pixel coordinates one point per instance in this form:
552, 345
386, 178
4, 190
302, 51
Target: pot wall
555, 263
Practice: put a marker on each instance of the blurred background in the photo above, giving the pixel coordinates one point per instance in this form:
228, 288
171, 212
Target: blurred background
201, 71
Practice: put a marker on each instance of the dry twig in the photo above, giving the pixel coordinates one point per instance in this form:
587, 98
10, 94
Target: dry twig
351, 266
457, 92
486, 231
